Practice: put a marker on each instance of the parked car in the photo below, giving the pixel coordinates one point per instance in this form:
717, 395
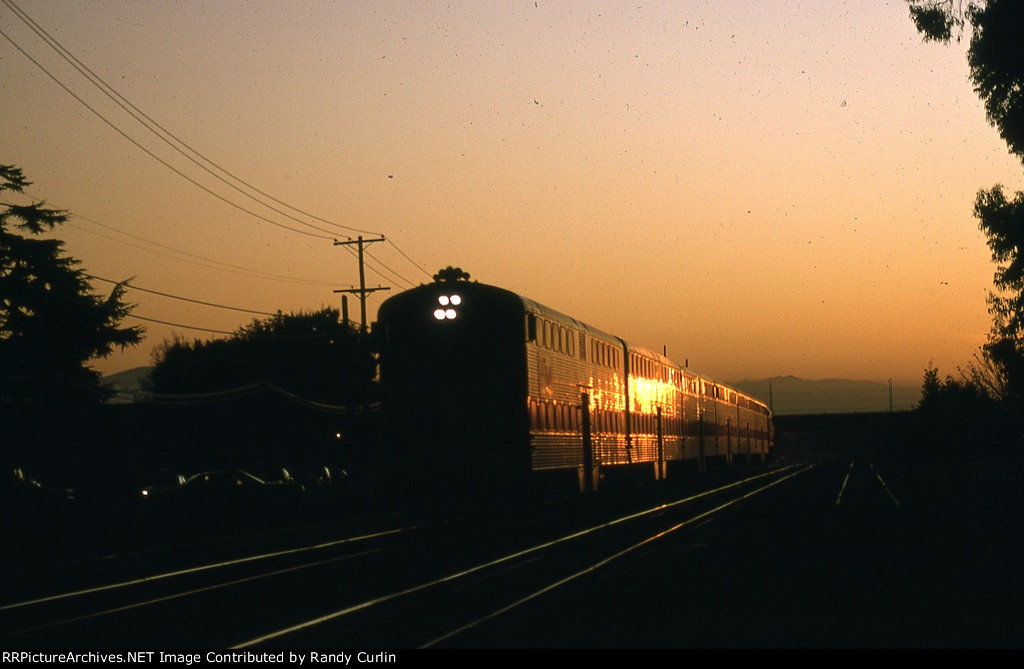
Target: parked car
161, 483
29, 506
21, 487
228, 490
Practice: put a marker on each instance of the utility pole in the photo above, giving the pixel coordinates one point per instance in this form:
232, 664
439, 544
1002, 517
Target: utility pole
362, 291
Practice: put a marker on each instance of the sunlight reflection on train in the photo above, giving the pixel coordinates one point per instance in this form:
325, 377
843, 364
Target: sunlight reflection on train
605, 394
647, 395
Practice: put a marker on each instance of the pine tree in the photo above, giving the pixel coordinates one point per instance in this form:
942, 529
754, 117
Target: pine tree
51, 322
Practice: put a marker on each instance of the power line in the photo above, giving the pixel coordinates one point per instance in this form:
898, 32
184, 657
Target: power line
385, 268
156, 157
167, 136
209, 263
178, 297
271, 335
163, 133
179, 325
413, 262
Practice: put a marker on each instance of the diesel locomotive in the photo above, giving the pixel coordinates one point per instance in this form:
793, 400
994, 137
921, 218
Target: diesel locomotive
488, 395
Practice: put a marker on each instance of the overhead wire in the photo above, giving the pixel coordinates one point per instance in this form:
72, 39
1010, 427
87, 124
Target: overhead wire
150, 153
89, 299
178, 325
413, 262
130, 286
153, 127
213, 264
371, 262
163, 134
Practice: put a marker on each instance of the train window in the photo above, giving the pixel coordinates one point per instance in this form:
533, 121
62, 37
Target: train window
531, 328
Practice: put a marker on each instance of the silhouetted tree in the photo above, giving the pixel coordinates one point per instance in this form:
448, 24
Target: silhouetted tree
313, 355
51, 322
997, 69
450, 273
960, 417
997, 72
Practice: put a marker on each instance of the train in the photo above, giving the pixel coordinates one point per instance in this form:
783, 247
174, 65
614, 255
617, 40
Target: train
488, 395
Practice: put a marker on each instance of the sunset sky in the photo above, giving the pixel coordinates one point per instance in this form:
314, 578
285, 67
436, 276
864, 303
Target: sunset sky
763, 188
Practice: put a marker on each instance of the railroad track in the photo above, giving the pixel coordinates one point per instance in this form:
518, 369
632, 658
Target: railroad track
395, 586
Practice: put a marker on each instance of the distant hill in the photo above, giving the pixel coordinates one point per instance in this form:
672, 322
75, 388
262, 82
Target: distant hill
127, 383
792, 395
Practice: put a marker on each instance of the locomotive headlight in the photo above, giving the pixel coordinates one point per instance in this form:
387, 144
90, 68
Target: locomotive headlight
446, 312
